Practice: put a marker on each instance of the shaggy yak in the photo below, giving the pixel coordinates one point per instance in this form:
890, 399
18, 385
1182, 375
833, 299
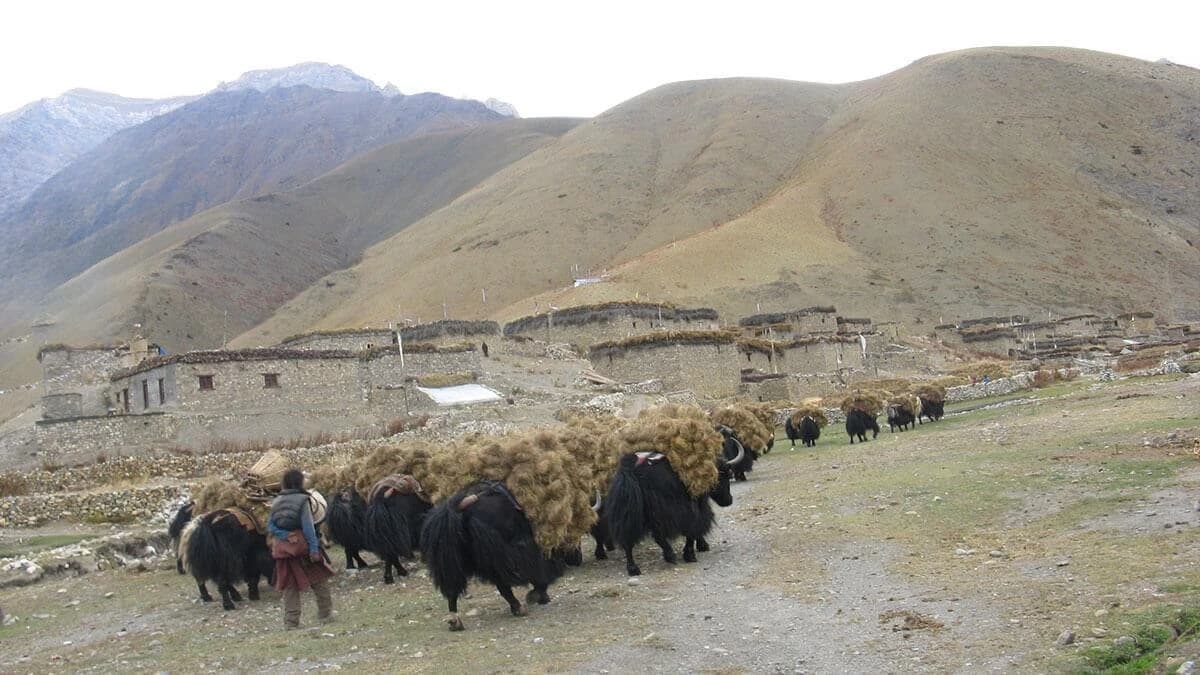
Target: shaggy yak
393, 520
226, 547
646, 496
481, 531
346, 524
899, 417
857, 423
934, 410
175, 531
733, 449
808, 432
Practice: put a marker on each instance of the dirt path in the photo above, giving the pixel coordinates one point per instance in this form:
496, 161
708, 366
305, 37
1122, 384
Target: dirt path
721, 618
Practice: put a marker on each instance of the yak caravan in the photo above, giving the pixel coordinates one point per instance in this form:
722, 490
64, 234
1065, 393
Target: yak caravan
567, 391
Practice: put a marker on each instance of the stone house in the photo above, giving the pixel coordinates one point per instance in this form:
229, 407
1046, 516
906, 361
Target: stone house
586, 325
853, 326
705, 362
1136, 324
791, 325
452, 332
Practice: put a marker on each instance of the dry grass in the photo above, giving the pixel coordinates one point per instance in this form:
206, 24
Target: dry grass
989, 367
664, 338
870, 402
436, 380
13, 485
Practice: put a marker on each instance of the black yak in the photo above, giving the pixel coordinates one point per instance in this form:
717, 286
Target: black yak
393, 522
346, 525
646, 496
857, 423
226, 547
481, 531
808, 432
934, 410
175, 530
733, 449
899, 417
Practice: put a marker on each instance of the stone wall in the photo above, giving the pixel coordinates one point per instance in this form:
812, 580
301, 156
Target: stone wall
62, 406
585, 335
707, 369
80, 371
86, 438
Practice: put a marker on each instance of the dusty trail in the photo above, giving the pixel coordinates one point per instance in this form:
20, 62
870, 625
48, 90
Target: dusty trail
722, 617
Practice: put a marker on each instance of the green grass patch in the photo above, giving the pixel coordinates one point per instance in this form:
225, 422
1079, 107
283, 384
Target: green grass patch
36, 544
1152, 631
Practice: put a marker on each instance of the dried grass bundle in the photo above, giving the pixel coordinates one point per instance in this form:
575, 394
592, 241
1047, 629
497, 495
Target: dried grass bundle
868, 401
553, 489
930, 391
408, 457
907, 402
745, 424
217, 493
814, 411
690, 443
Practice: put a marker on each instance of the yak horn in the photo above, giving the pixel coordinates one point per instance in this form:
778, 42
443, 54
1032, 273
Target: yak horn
740, 455
599, 501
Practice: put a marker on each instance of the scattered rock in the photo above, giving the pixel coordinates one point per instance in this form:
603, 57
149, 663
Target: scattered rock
1067, 637
1123, 641
1099, 632
1186, 668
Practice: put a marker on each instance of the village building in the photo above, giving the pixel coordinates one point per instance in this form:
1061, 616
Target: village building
350, 339
793, 325
586, 325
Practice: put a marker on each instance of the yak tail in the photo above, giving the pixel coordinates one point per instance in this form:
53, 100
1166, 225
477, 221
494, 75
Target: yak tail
443, 540
207, 558
625, 505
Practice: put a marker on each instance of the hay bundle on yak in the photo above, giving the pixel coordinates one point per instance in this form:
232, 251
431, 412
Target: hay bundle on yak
806, 422
592, 442
749, 431
861, 408
933, 400
521, 506
669, 469
767, 414
902, 411
391, 489
869, 401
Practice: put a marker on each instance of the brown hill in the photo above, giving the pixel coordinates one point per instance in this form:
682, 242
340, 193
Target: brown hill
224, 146
978, 182
226, 269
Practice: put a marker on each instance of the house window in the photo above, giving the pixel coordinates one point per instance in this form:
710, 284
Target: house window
145, 394
206, 383
270, 380
125, 399
162, 391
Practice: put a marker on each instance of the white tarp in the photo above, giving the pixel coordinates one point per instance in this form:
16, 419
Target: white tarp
463, 394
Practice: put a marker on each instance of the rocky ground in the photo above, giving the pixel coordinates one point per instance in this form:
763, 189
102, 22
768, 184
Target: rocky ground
982, 542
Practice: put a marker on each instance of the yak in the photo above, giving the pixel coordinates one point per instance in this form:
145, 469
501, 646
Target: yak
346, 524
934, 410
808, 432
899, 417
175, 531
392, 524
646, 496
226, 546
733, 448
857, 423
481, 531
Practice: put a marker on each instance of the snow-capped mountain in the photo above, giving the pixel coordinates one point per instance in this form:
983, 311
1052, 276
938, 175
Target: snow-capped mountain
502, 107
311, 74
42, 137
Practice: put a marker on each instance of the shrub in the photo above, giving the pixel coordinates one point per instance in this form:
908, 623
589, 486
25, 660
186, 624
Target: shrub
13, 485
407, 423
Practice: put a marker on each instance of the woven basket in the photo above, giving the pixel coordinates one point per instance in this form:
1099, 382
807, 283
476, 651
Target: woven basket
266, 476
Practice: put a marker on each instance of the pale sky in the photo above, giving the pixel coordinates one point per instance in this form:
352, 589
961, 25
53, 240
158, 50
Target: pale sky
546, 58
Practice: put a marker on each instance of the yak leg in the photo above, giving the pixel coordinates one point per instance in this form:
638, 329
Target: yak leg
234, 593
252, 586
362, 564
349, 558
601, 554
689, 550
179, 564
454, 620
399, 567
204, 594
514, 605
630, 566
537, 594
667, 550
701, 544
227, 591
387, 571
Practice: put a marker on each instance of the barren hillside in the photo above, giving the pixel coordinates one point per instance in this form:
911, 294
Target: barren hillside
226, 269
983, 181
224, 146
